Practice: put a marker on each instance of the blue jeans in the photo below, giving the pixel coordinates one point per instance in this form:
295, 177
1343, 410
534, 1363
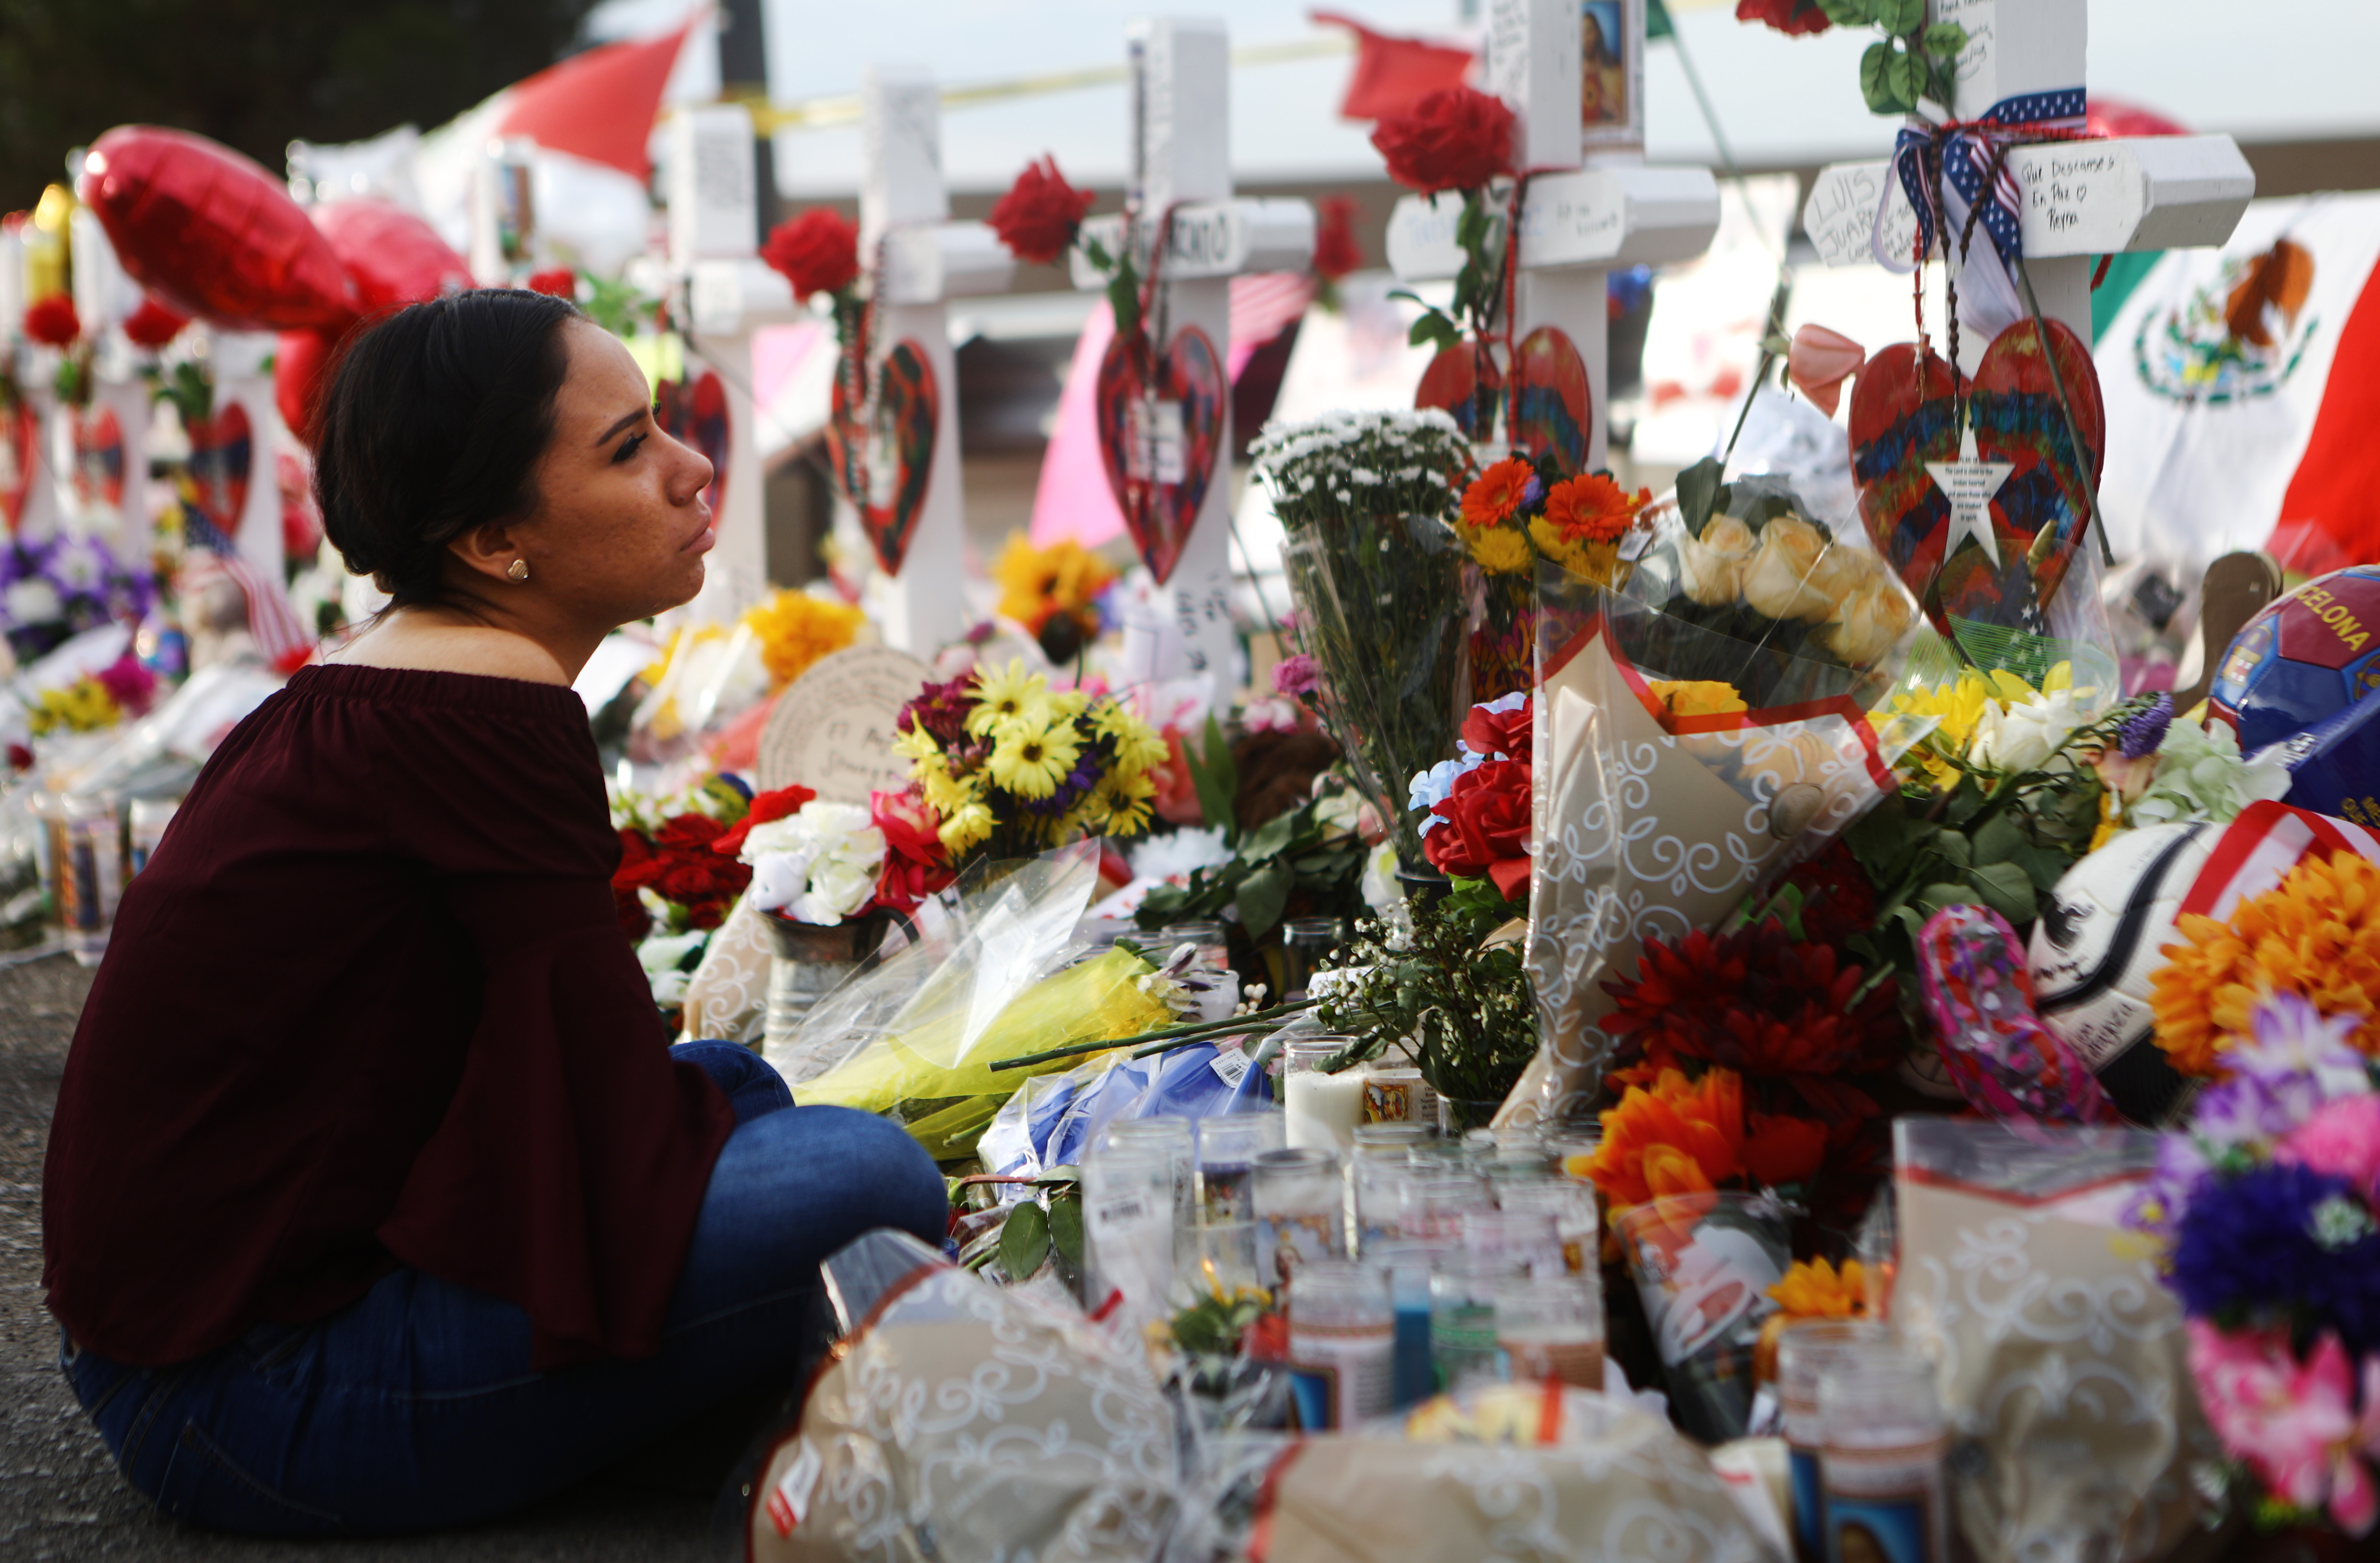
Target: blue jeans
415, 1409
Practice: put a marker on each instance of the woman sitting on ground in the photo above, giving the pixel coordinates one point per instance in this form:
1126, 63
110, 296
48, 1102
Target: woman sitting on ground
377, 1199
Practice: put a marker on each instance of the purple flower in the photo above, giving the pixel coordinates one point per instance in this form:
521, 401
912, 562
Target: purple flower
2145, 729
1533, 490
2165, 1198
2284, 1241
1295, 675
2295, 1049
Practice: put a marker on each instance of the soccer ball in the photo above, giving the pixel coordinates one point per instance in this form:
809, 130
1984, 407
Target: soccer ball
2306, 657
2099, 941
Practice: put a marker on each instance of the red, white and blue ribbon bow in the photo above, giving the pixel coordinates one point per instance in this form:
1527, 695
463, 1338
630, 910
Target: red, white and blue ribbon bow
1966, 150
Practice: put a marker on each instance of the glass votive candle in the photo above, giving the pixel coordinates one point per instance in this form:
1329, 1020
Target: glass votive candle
1397, 1094
1433, 1201
1304, 943
1462, 1347
1227, 1150
1342, 1344
1128, 1228
1172, 1134
1577, 1226
1376, 1179
1522, 1239
1551, 1326
1214, 950
1299, 1214
1322, 1110
1880, 1466
1804, 1352
1573, 1152
1409, 1264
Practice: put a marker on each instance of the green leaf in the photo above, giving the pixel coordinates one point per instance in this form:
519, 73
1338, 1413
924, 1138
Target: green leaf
1934, 897
1911, 78
1269, 838
1944, 40
1434, 328
1952, 848
1875, 79
1217, 778
2006, 888
1263, 895
1900, 17
1066, 1229
1849, 13
1025, 1241
1698, 491
2044, 866
1996, 838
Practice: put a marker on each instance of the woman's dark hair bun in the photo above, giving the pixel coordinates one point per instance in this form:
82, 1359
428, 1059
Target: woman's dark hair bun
432, 423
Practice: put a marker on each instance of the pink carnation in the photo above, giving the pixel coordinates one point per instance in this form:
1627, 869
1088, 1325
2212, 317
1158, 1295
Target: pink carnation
2343, 1139
2295, 1423
1295, 675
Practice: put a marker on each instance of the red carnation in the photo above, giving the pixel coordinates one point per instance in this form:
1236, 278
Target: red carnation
1038, 217
765, 806
556, 282
52, 322
818, 252
1336, 253
153, 325
1486, 831
1455, 139
1790, 16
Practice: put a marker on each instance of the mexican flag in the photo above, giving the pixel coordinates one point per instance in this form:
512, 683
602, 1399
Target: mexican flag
2242, 390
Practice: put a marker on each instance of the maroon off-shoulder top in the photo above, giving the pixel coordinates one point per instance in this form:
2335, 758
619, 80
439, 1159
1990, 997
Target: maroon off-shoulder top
369, 1005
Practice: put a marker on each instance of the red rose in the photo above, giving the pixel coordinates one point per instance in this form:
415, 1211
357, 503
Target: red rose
1038, 217
559, 282
153, 325
1336, 253
1500, 732
783, 802
818, 252
1791, 16
1457, 139
52, 322
1486, 831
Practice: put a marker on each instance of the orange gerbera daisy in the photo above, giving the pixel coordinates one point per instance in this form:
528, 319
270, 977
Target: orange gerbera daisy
1592, 508
1815, 1290
1495, 494
1675, 1138
2316, 934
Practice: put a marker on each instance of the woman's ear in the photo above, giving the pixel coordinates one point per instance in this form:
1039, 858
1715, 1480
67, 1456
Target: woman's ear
490, 553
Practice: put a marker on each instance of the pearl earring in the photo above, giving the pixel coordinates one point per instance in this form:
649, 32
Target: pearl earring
518, 570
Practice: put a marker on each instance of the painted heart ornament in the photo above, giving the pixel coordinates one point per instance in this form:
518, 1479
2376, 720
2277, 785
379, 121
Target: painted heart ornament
1462, 382
2017, 420
1161, 432
221, 453
882, 454
98, 457
19, 429
693, 412
1552, 398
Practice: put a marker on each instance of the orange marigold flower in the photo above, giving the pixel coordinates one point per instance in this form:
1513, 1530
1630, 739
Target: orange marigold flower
1815, 1290
2316, 934
1675, 1138
1592, 508
1495, 494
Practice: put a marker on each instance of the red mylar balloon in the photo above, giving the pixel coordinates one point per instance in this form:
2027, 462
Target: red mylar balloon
395, 257
297, 366
212, 233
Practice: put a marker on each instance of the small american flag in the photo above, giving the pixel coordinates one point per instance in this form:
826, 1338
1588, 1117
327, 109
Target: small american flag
282, 638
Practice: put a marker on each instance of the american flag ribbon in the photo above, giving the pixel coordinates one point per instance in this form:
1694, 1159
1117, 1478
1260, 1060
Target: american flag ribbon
281, 636
1965, 151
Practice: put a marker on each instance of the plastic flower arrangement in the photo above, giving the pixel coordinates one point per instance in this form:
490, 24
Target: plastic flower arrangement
2269, 1205
819, 863
1517, 512
1012, 767
2314, 937
50, 590
1038, 584
1475, 808
795, 629
671, 879
84, 706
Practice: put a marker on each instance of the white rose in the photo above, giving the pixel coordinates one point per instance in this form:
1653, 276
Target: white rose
1776, 582
1868, 621
779, 878
838, 888
2027, 732
1711, 568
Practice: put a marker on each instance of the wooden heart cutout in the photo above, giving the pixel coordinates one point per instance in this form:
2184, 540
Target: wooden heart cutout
1462, 381
220, 456
695, 414
882, 464
99, 456
1897, 428
1552, 399
19, 429
1161, 431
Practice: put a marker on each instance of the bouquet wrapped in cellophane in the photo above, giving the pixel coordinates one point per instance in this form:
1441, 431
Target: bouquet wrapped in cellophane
1704, 687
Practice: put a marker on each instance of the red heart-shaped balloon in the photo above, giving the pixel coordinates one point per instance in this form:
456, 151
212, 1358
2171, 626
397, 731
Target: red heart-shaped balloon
20, 433
1464, 383
99, 456
883, 464
1903, 415
297, 364
212, 233
695, 413
221, 452
1161, 430
1553, 398
2016, 419
395, 257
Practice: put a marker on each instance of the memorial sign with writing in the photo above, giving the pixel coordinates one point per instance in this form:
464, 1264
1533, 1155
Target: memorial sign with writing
833, 731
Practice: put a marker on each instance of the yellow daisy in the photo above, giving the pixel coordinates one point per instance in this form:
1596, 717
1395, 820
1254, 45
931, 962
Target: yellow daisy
1003, 695
1501, 551
1137, 746
1551, 542
1124, 798
964, 826
1029, 759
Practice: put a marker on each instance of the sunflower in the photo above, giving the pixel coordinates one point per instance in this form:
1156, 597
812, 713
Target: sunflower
2316, 934
1030, 759
1006, 695
1496, 494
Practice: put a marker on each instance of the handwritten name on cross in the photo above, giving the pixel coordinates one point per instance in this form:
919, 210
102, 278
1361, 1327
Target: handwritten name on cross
1575, 223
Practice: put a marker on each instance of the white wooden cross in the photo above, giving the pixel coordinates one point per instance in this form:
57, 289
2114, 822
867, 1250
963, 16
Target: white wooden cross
1181, 139
2080, 198
1575, 223
104, 297
927, 260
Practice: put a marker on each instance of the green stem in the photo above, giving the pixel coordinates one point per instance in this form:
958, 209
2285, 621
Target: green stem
1261, 1020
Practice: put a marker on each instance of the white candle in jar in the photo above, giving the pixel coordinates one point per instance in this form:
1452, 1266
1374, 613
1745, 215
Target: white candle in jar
1323, 1110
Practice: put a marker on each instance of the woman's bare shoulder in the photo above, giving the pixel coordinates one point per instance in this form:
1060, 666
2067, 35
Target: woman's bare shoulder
418, 642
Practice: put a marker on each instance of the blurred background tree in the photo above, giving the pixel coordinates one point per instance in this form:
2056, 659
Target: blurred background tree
254, 74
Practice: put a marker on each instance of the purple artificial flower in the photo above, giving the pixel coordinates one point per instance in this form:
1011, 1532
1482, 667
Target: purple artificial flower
2165, 1198
2145, 729
1533, 490
1295, 675
2295, 1049
128, 684
2282, 1240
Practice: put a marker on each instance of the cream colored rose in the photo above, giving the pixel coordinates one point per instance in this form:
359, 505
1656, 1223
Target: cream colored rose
1874, 616
1711, 569
1777, 581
